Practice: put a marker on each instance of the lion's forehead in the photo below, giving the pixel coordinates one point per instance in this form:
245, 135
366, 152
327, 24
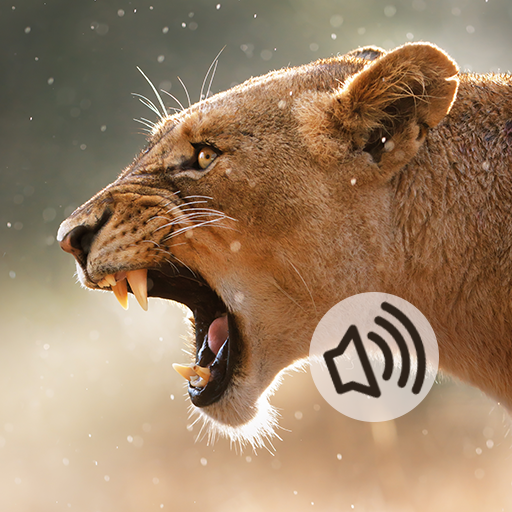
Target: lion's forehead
268, 97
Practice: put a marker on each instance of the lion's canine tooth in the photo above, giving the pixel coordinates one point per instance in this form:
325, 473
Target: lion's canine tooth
198, 376
185, 371
121, 292
110, 279
138, 280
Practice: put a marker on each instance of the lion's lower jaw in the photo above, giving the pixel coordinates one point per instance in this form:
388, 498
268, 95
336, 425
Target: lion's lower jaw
258, 432
244, 414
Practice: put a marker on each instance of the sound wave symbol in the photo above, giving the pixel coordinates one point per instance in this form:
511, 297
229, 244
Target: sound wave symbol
372, 388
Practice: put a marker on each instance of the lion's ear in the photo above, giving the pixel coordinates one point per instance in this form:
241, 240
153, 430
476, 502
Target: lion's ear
386, 108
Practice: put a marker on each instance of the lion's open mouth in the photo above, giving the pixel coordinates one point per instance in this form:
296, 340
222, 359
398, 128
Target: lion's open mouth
217, 337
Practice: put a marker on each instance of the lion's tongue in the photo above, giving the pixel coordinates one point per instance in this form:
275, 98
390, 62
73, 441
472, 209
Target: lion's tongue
218, 333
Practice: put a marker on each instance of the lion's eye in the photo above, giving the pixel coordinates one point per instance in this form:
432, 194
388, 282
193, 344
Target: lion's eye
206, 156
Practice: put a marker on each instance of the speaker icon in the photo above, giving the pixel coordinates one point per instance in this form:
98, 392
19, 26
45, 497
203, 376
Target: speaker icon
353, 337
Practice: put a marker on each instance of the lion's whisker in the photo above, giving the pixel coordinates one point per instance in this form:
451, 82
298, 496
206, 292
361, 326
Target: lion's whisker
164, 110
186, 91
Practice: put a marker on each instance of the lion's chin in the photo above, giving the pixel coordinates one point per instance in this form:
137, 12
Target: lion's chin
242, 415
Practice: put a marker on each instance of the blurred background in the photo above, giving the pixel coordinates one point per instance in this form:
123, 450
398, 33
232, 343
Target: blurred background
92, 416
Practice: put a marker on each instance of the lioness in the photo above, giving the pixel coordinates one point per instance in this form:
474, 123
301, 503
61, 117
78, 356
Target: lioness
262, 207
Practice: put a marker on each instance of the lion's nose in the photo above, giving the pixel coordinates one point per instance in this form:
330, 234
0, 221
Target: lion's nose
78, 240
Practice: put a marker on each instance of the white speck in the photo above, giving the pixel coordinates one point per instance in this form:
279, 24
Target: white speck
27, 30
486, 166
184, 25
203, 461
46, 346
162, 505
50, 81
9, 224
353, 181
478, 451
103, 127
281, 104
31, 118
190, 14
120, 13
361, 31
102, 29
488, 432
389, 11
12, 274
339, 456
314, 47
352, 506
36, 58
106, 478
389, 146
235, 246
65, 462
336, 20
172, 397
470, 29
316, 407
409, 36
165, 30
239, 297
189, 234
217, 7
479, 473
83, 147
298, 415
130, 439
266, 55
333, 36
295, 493
90, 435
424, 431
489, 443
160, 58
150, 7
248, 458
255, 16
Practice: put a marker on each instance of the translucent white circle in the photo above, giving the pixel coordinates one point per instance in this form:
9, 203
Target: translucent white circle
374, 357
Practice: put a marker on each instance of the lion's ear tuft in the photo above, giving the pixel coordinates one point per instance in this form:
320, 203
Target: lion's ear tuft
397, 96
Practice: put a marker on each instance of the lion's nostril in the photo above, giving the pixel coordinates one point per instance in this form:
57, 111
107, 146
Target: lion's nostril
78, 241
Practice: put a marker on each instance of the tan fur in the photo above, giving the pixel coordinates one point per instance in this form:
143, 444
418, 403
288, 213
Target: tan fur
339, 177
